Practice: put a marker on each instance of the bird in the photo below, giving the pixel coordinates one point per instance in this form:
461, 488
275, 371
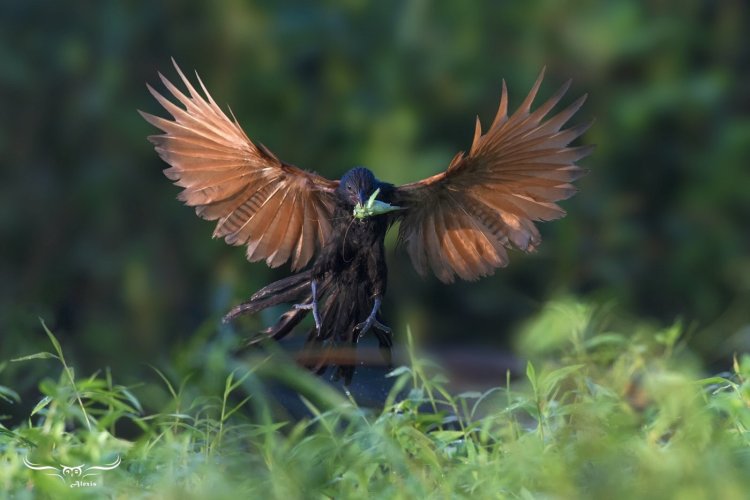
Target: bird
460, 222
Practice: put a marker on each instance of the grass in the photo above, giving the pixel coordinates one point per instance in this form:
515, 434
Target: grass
599, 414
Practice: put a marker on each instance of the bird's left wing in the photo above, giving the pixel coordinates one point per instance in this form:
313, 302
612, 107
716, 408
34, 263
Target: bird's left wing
461, 221
279, 211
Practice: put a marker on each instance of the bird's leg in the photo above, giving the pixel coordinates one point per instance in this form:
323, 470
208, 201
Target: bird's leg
371, 320
313, 304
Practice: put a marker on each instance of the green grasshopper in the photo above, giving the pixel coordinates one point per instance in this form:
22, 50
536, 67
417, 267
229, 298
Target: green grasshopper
373, 207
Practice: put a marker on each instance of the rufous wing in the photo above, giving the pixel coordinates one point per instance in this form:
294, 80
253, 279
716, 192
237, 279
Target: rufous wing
277, 210
461, 221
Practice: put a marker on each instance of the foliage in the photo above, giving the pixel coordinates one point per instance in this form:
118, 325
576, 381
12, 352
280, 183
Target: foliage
602, 414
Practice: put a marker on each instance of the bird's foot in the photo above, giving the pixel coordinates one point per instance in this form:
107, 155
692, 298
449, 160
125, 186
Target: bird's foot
368, 324
372, 321
312, 305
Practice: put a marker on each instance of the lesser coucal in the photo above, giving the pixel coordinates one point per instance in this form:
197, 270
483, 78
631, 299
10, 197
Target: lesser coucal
459, 222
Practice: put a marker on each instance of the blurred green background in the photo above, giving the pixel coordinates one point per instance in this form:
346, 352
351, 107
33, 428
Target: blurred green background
94, 242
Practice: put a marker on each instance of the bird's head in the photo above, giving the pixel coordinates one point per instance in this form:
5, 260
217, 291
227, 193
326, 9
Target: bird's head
356, 186
359, 189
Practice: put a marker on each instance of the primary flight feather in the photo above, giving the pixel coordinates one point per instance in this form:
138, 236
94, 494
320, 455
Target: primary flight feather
459, 222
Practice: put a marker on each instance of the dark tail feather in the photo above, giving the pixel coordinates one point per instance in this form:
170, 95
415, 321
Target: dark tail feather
295, 288
331, 345
318, 343
283, 326
336, 344
286, 290
282, 285
341, 308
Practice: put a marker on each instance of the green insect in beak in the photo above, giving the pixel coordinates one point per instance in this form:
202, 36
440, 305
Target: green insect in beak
373, 207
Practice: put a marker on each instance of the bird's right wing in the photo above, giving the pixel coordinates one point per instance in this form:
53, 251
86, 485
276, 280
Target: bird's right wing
459, 222
278, 210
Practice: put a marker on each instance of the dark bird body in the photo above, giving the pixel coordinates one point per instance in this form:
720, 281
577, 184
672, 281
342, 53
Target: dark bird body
458, 222
351, 277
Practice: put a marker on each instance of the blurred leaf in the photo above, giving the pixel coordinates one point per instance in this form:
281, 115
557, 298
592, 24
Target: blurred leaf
9, 395
43, 403
39, 355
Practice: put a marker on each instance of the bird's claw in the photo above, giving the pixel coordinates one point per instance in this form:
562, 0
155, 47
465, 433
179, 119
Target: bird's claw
368, 324
372, 321
310, 306
313, 304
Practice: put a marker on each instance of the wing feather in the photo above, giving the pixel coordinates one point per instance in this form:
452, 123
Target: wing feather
291, 234
305, 248
277, 214
466, 266
445, 242
279, 211
461, 221
432, 246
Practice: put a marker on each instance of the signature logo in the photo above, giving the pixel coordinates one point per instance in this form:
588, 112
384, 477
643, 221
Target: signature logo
74, 476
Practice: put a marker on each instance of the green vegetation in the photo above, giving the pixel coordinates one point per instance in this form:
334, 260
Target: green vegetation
600, 414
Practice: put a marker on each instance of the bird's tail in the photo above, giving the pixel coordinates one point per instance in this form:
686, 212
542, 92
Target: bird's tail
295, 288
343, 307
340, 309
